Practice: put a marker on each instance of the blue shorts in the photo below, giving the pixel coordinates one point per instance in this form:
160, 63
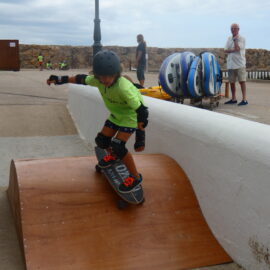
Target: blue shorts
111, 125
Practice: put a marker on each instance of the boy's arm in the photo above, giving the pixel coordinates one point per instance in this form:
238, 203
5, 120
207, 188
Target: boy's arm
142, 116
58, 80
139, 144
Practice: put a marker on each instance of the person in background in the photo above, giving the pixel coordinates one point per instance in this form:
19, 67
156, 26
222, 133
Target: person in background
127, 112
49, 65
63, 65
236, 64
40, 61
141, 59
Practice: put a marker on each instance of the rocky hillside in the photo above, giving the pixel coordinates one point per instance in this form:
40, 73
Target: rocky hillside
81, 57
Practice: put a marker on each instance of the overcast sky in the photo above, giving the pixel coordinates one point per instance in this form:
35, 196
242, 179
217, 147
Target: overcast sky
165, 24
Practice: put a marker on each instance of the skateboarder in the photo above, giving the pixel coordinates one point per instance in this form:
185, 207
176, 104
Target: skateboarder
127, 112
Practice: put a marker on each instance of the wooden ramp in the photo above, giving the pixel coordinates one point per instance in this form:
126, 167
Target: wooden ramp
67, 219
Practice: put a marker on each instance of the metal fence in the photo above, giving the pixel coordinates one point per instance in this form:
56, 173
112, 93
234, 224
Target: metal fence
253, 74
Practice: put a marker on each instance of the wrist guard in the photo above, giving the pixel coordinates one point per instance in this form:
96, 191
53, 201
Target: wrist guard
139, 139
142, 115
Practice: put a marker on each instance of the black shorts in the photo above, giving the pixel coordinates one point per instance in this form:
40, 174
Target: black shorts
111, 125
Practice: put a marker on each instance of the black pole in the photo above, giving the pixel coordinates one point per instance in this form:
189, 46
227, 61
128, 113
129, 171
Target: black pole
97, 33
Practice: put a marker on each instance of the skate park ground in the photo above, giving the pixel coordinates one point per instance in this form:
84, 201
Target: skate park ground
35, 123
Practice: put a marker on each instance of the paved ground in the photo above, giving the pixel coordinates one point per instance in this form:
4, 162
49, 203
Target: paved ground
35, 123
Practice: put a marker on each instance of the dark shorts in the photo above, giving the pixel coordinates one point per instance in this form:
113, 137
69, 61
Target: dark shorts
140, 72
111, 125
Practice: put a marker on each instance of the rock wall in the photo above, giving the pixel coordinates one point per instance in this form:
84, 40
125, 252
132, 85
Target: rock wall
81, 57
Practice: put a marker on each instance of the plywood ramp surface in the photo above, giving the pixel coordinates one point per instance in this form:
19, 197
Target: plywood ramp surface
67, 219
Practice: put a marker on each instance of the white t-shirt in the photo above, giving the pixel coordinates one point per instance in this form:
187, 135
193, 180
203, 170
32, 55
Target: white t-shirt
236, 60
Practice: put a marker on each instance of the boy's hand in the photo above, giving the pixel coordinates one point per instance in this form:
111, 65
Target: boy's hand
57, 80
139, 148
141, 125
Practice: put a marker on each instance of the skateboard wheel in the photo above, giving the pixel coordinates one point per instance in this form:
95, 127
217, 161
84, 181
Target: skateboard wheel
143, 200
98, 169
121, 204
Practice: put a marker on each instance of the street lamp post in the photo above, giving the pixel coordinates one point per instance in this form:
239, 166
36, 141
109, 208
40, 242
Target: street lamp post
97, 33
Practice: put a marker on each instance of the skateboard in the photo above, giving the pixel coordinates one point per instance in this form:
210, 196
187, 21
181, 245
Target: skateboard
115, 174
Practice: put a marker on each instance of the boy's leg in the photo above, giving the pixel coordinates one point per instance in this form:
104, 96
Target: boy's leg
129, 162
135, 178
107, 131
119, 150
103, 140
127, 159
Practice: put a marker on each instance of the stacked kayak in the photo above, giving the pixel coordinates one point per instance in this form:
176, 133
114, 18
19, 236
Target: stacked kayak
185, 75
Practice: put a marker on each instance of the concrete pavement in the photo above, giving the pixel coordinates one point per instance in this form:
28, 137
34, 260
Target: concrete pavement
35, 123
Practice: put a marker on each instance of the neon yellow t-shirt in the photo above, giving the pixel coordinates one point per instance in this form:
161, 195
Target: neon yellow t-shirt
40, 58
122, 99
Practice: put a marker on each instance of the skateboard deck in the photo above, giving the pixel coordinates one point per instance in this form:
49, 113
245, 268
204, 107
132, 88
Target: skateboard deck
115, 174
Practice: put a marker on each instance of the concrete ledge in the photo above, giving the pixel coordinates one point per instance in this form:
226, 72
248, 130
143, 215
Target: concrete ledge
227, 160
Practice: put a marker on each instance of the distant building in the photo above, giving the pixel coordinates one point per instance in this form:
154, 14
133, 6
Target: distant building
9, 55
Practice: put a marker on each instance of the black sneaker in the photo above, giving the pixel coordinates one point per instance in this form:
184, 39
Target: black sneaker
243, 102
231, 102
107, 161
130, 183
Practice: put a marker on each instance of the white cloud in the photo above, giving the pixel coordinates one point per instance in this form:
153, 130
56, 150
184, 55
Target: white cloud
174, 23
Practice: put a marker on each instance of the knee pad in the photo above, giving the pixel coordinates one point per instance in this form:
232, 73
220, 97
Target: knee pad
103, 141
119, 148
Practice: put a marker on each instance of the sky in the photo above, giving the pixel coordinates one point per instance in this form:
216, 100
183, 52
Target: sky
164, 24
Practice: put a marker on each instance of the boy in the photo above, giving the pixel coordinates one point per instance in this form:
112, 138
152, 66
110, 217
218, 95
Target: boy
127, 112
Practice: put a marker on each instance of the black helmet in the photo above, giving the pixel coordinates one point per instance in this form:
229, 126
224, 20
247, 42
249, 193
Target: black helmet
106, 62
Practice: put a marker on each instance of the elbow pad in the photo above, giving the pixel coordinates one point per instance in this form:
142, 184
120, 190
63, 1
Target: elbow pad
142, 114
80, 79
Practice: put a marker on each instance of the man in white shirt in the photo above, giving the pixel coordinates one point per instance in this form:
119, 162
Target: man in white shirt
236, 64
